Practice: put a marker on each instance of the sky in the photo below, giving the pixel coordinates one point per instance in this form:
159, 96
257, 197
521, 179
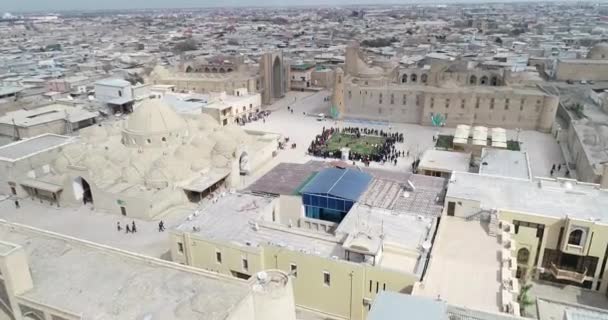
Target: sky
61, 5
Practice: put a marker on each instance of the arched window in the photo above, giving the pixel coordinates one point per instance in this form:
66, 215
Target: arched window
207, 70
494, 81
473, 80
523, 256
576, 237
414, 77
404, 78
424, 78
164, 139
484, 80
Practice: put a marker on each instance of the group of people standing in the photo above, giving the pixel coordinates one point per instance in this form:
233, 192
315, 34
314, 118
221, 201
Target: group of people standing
558, 167
382, 152
395, 136
132, 227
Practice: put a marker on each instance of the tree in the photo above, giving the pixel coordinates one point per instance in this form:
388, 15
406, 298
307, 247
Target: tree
524, 298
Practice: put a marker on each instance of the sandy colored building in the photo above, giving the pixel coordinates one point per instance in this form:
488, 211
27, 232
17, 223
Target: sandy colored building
141, 167
460, 92
439, 163
338, 268
44, 275
205, 82
241, 105
594, 67
55, 118
275, 76
557, 227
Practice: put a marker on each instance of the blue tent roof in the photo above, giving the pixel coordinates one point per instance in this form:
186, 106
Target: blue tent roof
341, 183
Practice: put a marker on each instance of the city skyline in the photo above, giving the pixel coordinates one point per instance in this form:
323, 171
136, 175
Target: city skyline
74, 5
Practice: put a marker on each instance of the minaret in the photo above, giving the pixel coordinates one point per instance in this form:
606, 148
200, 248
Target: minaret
337, 102
351, 58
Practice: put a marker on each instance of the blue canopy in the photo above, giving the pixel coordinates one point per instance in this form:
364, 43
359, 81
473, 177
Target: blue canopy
340, 183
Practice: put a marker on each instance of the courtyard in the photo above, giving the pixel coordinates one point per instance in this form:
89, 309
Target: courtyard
363, 145
303, 125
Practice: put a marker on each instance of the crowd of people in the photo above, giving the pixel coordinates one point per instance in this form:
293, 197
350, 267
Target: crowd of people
396, 137
381, 152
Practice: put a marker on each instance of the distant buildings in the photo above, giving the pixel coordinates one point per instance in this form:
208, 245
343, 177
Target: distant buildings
460, 94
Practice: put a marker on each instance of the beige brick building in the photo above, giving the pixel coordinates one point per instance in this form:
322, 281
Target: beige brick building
460, 92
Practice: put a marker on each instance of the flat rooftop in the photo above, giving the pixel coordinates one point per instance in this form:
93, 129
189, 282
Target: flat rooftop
286, 178
113, 83
464, 266
97, 283
233, 218
549, 197
396, 193
445, 161
393, 306
46, 114
28, 147
505, 163
552, 309
402, 232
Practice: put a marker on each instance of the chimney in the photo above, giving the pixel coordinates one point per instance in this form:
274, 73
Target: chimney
604, 178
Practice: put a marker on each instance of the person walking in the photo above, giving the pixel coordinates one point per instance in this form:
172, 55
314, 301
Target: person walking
128, 229
133, 227
118, 227
17, 205
161, 226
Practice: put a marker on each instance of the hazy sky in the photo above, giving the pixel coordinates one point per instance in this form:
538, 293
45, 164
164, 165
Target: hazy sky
50, 5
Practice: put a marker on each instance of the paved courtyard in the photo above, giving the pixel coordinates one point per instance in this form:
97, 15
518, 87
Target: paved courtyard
542, 148
94, 226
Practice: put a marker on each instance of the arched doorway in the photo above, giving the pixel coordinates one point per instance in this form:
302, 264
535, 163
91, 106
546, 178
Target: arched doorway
423, 78
523, 256
494, 81
576, 237
404, 78
82, 190
414, 77
484, 80
473, 80
244, 166
277, 87
189, 69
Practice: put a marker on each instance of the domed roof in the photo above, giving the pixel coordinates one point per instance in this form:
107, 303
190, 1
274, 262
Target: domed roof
599, 51
94, 133
153, 117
